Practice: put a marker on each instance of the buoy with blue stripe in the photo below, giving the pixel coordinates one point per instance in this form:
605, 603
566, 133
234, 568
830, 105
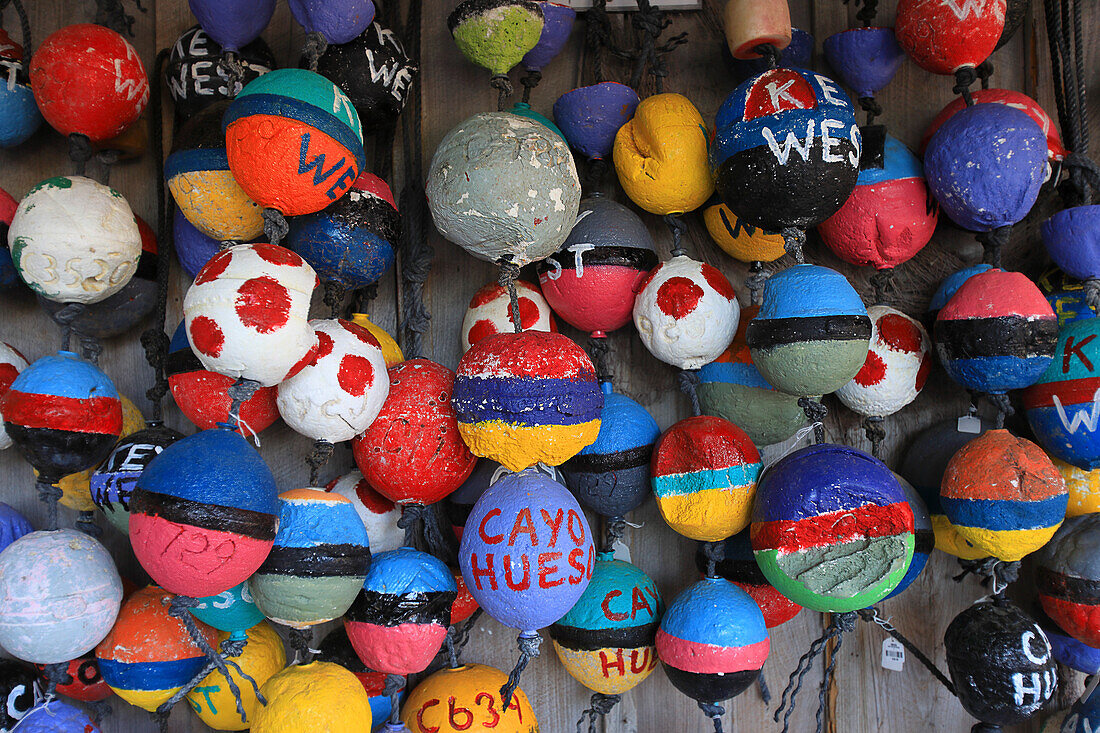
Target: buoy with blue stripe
738, 565
525, 398
149, 654
611, 476
318, 562
809, 346
293, 141
831, 528
1069, 578
1063, 407
1067, 650
1003, 495
997, 332
704, 473
712, 641
112, 483
204, 513
19, 115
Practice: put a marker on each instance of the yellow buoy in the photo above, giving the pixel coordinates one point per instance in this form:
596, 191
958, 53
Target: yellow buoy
467, 698
1083, 486
391, 352
213, 700
311, 698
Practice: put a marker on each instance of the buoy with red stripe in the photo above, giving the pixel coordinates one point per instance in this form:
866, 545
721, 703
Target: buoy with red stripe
738, 565
1004, 495
831, 528
204, 513
712, 641
490, 312
378, 514
1069, 578
63, 414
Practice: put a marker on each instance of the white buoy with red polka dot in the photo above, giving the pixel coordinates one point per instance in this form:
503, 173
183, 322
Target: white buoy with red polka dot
489, 313
896, 368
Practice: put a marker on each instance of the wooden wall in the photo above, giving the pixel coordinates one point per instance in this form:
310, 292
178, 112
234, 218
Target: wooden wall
865, 697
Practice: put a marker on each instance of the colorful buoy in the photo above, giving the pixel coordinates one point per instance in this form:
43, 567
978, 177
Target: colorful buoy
924, 538
1070, 238
378, 514
866, 59
557, 23
336, 22
262, 658
704, 472
738, 565
399, 617
832, 529
474, 687
196, 79
318, 562
113, 481
204, 513
1065, 648
233, 23
19, 115
11, 364
1083, 487
76, 488
1003, 495
526, 398
496, 34
945, 37
313, 697
490, 312
8, 276
739, 240
897, 365
591, 116
1056, 151
193, 248
391, 351
1069, 578
949, 286
232, 611
56, 716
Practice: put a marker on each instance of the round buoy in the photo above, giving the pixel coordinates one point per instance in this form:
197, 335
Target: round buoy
19, 692
1003, 495
113, 481
496, 34
949, 286
313, 697
832, 529
924, 538
1056, 151
56, 716
233, 610
945, 37
1071, 241
76, 488
490, 312
704, 473
19, 115
557, 22
1083, 487
195, 77
590, 117
866, 59
378, 514
897, 365
1069, 578
337, 21
1065, 648
526, 398
262, 658
738, 566
474, 687
193, 248
233, 23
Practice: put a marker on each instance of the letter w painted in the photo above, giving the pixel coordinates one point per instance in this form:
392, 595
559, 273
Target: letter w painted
1080, 417
317, 165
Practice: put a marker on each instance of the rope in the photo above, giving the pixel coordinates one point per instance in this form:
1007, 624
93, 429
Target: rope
815, 413
49, 494
613, 530
509, 271
765, 693
112, 14
872, 615
840, 623
713, 711
872, 428
85, 522
598, 707
755, 281
80, 152
984, 71
867, 14
1092, 292
24, 27
317, 458
991, 570
593, 177
334, 296
600, 347
313, 48
993, 242
301, 641
794, 241
275, 225
689, 378
240, 392
883, 284
964, 79
424, 532
529, 82
392, 690
714, 554
871, 107
1003, 406
56, 674
651, 21
230, 63
529, 643
597, 37
65, 317
503, 85
770, 53
91, 349
678, 228
361, 298
462, 637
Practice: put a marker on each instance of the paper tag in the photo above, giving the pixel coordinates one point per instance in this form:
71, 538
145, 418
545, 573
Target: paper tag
970, 424
893, 654
622, 552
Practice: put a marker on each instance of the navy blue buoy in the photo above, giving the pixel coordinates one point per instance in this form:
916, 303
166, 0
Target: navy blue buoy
589, 117
866, 59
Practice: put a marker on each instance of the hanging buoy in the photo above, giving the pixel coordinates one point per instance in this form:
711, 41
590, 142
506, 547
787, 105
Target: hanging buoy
1083, 715
43, 577
400, 615
526, 398
924, 538
1069, 576
557, 22
262, 658
391, 352
413, 452
739, 240
611, 476
897, 365
378, 96
496, 34
997, 332
88, 80
949, 286
1000, 662
1083, 487
606, 640
19, 692
712, 641
204, 513
205, 192
11, 364
74, 240
312, 697
809, 347
593, 280
738, 565
1065, 648
1003, 495
318, 562
503, 186
1071, 241
1056, 151
13, 525
56, 716
790, 159
337, 22
247, 312
195, 78
590, 117
63, 414
19, 115
749, 24
490, 312
113, 481
732, 388
945, 37
831, 528
866, 59
378, 514
686, 312
341, 393
202, 395
661, 156
233, 23
280, 133
457, 505
352, 241
704, 472
890, 215
336, 648
232, 611
76, 488
474, 687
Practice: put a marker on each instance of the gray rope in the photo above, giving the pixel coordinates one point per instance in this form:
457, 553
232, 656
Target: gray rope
392, 690
872, 428
509, 272
993, 242
529, 643
230, 63
56, 674
313, 48
49, 494
755, 281
1092, 292
689, 379
815, 413
301, 641
1003, 406
613, 530
317, 458
275, 225
679, 228
600, 348
598, 708
794, 242
529, 82
65, 318
990, 570
765, 693
240, 392
424, 532
80, 152
334, 296
713, 711
112, 14
714, 554
503, 85
882, 282
91, 349
85, 522
840, 623
964, 79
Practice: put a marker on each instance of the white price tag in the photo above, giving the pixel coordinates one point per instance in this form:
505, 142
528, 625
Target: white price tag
970, 424
893, 654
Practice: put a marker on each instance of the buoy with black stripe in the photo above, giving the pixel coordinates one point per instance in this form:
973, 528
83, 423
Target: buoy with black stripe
1069, 578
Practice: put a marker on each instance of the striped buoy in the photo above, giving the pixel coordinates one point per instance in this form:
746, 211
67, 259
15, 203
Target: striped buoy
113, 481
1083, 487
378, 514
924, 539
1069, 578
949, 286
11, 364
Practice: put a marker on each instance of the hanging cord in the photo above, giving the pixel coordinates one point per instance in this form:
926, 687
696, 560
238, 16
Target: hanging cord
529, 81
872, 615
301, 641
597, 37
56, 674
770, 53
765, 693
509, 271
503, 85
461, 638
317, 458
112, 14
598, 707
1004, 408
871, 107
24, 28
594, 175
840, 623
815, 413
275, 225
679, 228
990, 570
600, 349
755, 281
993, 243
240, 392
984, 71
91, 349
883, 285
424, 532
80, 152
313, 48
689, 379
651, 21
794, 242
867, 13
529, 643
334, 297
65, 318
714, 711
85, 522
49, 494
964, 79
713, 553
613, 530
872, 428
1066, 44
392, 690
230, 62
154, 340
361, 298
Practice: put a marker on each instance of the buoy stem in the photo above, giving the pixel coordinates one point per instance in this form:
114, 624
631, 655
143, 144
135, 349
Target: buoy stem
49, 493
392, 689
755, 281
509, 271
529, 643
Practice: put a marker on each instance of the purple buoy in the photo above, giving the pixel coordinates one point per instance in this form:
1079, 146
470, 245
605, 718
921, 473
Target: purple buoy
866, 59
557, 23
233, 23
1072, 239
589, 117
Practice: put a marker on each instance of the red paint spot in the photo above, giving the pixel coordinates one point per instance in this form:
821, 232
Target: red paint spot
356, 375
308, 360
872, 372
678, 296
371, 499
263, 304
214, 267
206, 336
899, 333
480, 330
360, 333
277, 255
794, 92
922, 373
8, 373
539, 221
486, 295
528, 312
648, 278
324, 345
718, 281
